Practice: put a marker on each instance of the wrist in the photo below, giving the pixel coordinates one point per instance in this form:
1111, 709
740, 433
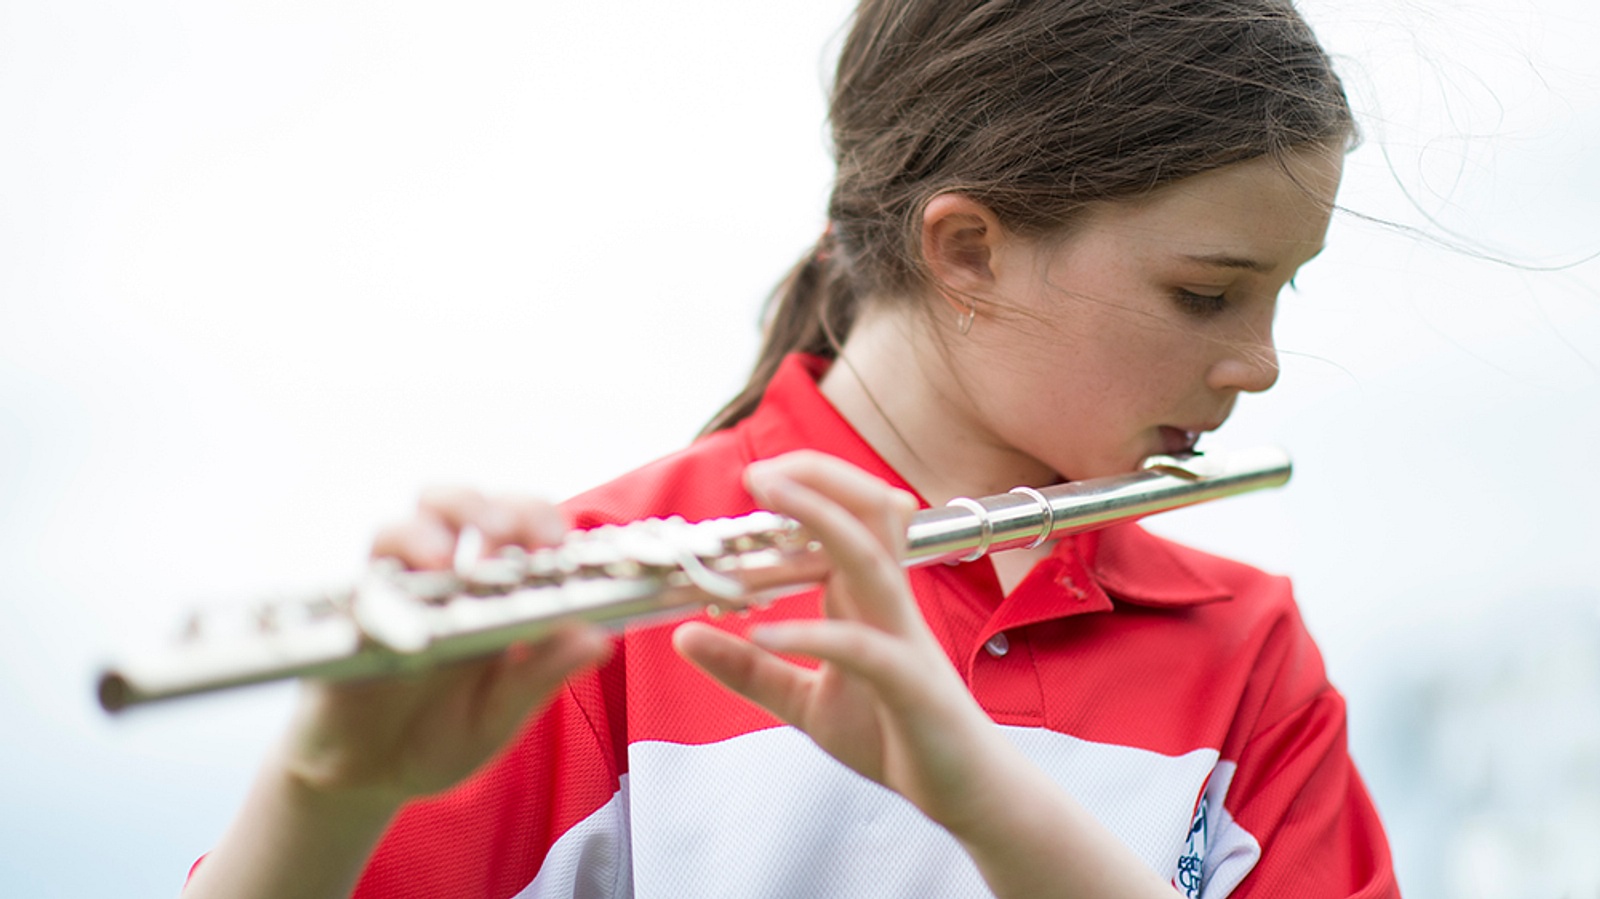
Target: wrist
310, 791
1029, 838
996, 782
294, 839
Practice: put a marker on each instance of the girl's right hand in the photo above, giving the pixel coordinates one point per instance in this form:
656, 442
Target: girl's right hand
397, 738
357, 750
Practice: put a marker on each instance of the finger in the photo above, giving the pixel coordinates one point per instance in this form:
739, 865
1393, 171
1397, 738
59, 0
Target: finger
897, 673
875, 585
526, 521
502, 520
531, 672
778, 686
422, 543
457, 507
886, 511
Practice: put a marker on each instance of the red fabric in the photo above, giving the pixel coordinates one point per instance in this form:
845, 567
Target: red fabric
488, 836
1118, 637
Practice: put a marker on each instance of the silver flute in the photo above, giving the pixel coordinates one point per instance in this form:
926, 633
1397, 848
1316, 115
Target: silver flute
396, 621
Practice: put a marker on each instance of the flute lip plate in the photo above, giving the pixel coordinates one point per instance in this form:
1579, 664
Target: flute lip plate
1183, 466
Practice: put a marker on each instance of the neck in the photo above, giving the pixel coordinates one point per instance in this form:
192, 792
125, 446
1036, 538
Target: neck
901, 390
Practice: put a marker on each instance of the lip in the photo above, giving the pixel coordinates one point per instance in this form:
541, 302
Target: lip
1176, 441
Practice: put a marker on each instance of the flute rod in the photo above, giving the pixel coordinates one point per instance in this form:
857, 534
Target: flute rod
968, 529
396, 621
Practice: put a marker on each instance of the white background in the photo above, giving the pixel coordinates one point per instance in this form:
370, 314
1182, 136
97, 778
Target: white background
266, 269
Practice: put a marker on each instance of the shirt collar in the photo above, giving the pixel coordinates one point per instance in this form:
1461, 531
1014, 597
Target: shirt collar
1130, 563
1136, 566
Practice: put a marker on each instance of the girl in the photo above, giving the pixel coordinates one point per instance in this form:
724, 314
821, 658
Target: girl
1057, 237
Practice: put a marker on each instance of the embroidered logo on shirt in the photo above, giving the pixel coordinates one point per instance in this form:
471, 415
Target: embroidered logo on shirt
1190, 863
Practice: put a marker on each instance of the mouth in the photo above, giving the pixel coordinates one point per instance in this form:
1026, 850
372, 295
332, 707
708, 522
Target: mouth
1177, 441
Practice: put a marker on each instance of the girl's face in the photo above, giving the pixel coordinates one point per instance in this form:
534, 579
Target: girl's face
1136, 332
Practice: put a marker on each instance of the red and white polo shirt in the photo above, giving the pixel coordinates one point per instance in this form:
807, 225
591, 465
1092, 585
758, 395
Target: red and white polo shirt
1175, 694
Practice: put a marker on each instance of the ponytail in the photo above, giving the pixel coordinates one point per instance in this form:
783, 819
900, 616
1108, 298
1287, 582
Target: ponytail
810, 311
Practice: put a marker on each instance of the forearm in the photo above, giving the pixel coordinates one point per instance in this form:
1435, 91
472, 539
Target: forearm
1030, 838
292, 841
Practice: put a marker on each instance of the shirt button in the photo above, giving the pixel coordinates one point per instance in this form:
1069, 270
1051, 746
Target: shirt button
1071, 586
997, 645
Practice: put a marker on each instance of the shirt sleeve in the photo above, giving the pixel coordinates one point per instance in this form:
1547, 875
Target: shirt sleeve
1294, 817
491, 835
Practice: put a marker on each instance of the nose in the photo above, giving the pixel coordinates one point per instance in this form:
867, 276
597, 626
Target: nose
1250, 367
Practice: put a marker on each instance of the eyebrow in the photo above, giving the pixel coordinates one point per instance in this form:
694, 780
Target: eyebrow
1243, 263
1223, 260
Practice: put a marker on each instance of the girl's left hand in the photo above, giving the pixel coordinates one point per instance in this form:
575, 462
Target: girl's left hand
885, 701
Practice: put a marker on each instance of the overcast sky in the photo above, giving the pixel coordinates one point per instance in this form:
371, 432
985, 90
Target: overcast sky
269, 268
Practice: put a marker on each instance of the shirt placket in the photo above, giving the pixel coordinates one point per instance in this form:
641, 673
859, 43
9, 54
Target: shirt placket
999, 652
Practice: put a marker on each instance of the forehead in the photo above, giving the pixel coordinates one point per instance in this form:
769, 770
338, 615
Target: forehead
1272, 211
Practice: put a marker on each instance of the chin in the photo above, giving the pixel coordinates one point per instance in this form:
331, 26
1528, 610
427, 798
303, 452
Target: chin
1102, 468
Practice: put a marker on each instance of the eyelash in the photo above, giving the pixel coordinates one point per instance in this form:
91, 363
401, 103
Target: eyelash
1199, 303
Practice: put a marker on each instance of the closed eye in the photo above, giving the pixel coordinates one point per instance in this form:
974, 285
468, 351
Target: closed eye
1200, 304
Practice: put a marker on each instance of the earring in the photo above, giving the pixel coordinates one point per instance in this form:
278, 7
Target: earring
965, 316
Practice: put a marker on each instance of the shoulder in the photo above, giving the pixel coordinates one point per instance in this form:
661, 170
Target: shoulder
1238, 626
705, 480
1142, 568
702, 480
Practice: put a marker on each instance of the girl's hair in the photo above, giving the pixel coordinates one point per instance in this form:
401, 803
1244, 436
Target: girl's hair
1036, 109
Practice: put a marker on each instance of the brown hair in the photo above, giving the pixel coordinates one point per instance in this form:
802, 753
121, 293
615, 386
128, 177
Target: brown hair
1035, 109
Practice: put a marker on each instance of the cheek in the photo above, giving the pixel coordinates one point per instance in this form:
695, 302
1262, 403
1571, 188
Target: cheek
1161, 350
1139, 386
1102, 363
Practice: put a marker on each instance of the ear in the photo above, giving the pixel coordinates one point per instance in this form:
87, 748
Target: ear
959, 239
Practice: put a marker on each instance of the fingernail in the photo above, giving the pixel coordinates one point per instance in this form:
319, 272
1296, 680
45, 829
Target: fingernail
769, 636
437, 547
767, 485
754, 475
551, 529
498, 523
